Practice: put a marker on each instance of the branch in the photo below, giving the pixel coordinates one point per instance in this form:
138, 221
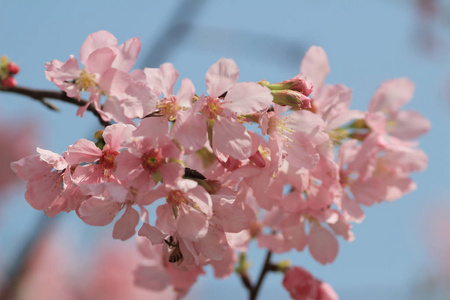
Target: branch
254, 289
43, 95
265, 269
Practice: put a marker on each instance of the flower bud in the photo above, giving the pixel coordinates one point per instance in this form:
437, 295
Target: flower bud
300, 284
295, 84
292, 98
13, 68
9, 82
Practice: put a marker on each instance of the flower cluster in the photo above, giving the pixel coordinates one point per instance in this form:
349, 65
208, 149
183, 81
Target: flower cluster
300, 183
8, 69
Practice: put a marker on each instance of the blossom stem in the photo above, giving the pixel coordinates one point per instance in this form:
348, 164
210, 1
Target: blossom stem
43, 95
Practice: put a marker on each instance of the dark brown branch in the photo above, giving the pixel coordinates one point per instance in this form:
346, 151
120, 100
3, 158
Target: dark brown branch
43, 95
254, 289
265, 269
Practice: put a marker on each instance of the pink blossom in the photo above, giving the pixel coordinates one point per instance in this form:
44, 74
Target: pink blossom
187, 211
228, 135
384, 114
163, 81
157, 273
147, 155
102, 164
49, 187
297, 134
105, 68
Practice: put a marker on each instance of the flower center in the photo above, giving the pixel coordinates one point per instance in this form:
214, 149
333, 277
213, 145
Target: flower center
85, 81
152, 160
281, 125
169, 107
107, 161
213, 108
176, 197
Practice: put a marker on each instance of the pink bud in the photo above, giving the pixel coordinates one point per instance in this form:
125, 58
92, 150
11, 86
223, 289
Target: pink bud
13, 68
300, 284
292, 98
294, 84
9, 82
301, 85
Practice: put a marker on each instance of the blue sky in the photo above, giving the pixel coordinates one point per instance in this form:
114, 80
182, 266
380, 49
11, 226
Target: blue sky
367, 42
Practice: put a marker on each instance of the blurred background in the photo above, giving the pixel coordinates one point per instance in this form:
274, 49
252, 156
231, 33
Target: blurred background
402, 249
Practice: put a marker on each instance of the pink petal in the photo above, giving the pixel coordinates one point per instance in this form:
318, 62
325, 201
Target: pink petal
114, 82
88, 174
409, 125
309, 123
115, 135
125, 226
369, 192
152, 233
98, 212
29, 166
139, 100
392, 95
152, 195
128, 165
323, 245
296, 235
274, 242
82, 151
301, 152
201, 198
214, 244
171, 172
343, 228
224, 267
231, 138
152, 127
221, 77
169, 76
112, 110
127, 54
190, 130
192, 225
186, 93
154, 80
352, 209
165, 219
248, 98
43, 190
96, 40
53, 159
100, 60
315, 66
57, 71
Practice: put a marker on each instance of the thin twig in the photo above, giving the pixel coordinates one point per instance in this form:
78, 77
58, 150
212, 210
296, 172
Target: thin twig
265, 269
43, 95
245, 278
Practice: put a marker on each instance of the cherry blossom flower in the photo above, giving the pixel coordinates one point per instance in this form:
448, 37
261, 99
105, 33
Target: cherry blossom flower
102, 164
49, 186
229, 136
105, 68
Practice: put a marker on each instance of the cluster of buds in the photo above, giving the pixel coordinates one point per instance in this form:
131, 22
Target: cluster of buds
8, 69
214, 184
